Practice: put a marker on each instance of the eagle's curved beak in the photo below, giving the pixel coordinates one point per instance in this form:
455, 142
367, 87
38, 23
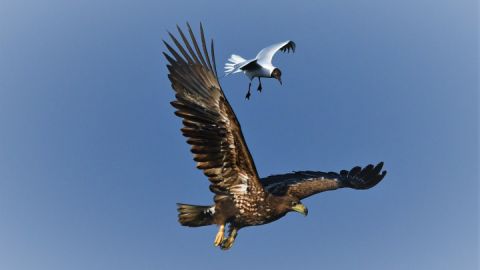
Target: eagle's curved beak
300, 208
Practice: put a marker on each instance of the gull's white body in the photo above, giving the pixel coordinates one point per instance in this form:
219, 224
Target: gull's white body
260, 66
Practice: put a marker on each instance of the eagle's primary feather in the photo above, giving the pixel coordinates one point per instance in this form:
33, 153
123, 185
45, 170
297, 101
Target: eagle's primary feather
302, 184
219, 148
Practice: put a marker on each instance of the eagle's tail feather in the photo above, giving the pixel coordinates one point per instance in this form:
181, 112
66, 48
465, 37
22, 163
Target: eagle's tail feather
195, 215
233, 64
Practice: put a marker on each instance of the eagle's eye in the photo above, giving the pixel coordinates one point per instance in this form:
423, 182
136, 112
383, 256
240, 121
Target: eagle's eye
294, 203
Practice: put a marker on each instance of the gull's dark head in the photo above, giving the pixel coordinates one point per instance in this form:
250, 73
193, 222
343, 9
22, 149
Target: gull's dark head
277, 74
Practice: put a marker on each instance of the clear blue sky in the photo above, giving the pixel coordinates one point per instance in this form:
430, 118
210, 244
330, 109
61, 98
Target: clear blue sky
92, 161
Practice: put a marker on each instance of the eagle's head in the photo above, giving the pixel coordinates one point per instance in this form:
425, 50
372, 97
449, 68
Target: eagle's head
277, 74
288, 204
299, 207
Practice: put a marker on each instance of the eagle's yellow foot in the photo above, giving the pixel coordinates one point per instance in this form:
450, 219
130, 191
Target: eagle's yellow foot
228, 243
219, 237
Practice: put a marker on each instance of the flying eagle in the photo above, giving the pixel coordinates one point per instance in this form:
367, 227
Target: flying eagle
261, 66
241, 197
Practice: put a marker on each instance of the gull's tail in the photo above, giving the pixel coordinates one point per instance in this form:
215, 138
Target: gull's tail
234, 63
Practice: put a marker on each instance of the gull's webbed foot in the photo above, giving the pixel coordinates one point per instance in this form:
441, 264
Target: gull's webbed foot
259, 89
219, 237
248, 94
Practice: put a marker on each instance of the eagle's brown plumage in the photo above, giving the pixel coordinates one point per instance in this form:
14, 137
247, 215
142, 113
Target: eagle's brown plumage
303, 184
218, 146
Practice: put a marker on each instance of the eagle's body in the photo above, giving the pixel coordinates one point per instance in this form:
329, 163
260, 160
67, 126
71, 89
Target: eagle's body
248, 211
241, 198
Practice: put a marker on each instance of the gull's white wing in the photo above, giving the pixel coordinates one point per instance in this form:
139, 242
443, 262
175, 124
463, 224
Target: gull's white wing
264, 57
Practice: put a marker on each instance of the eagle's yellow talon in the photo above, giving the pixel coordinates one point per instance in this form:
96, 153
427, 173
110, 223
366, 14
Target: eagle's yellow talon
219, 237
228, 243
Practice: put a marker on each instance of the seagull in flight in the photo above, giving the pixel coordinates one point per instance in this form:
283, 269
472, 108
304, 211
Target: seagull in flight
261, 66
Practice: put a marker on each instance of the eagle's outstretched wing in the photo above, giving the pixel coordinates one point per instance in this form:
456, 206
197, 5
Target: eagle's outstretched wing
303, 184
209, 122
265, 56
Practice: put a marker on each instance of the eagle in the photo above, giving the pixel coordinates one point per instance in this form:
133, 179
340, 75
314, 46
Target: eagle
241, 197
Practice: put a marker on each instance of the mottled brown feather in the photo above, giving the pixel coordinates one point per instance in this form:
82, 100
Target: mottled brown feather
218, 145
303, 184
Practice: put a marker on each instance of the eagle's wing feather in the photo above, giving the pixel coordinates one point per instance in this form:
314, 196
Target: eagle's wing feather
265, 56
303, 184
218, 145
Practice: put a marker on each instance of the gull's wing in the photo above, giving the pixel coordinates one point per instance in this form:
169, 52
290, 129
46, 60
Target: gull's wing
265, 56
306, 183
210, 124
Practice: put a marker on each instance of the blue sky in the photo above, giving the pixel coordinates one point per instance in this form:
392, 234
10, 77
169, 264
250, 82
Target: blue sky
92, 161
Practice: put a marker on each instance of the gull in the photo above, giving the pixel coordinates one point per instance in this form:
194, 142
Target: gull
261, 66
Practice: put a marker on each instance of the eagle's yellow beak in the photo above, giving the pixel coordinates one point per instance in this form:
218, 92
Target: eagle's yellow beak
300, 208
